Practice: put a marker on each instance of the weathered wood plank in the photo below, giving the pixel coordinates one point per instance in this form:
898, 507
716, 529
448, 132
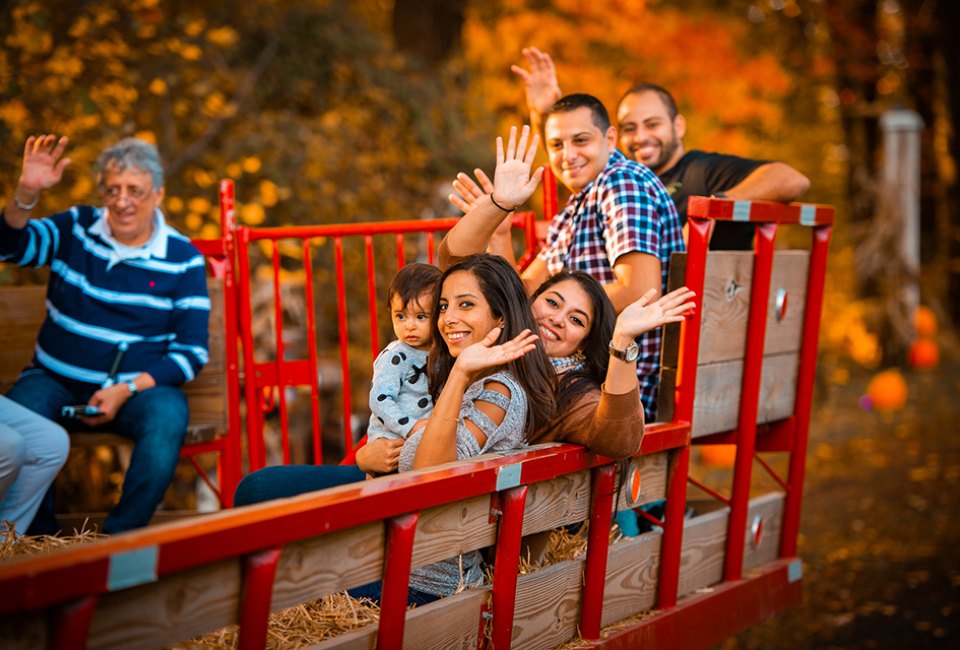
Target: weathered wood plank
725, 305
548, 606
449, 530
160, 614
769, 508
653, 480
449, 623
563, 500
327, 564
717, 403
701, 557
633, 568
790, 274
21, 313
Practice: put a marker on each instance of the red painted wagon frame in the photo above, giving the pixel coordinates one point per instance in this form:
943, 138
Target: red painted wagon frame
71, 581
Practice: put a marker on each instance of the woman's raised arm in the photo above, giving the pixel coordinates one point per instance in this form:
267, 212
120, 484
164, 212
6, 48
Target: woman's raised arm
639, 317
488, 206
439, 442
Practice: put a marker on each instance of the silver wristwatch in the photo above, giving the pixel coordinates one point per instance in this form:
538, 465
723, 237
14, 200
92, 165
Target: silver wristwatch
630, 354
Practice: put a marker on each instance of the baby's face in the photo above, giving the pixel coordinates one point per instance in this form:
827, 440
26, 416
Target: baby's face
411, 322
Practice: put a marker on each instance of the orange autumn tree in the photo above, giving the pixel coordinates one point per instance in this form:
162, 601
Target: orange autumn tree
304, 102
731, 97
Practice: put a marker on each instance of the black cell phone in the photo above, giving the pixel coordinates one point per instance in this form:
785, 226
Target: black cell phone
79, 410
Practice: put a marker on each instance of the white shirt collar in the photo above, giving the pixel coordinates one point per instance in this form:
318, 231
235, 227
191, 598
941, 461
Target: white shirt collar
156, 246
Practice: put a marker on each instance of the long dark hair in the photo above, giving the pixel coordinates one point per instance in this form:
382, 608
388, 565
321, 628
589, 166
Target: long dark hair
591, 376
503, 291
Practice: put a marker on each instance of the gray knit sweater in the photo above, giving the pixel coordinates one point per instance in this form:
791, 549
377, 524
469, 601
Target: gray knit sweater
445, 577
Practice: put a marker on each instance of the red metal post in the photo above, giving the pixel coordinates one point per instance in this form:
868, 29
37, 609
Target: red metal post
598, 545
372, 296
313, 364
231, 457
512, 503
805, 375
549, 194
401, 257
396, 580
71, 624
671, 546
699, 237
344, 345
430, 248
255, 447
766, 235
258, 573
281, 353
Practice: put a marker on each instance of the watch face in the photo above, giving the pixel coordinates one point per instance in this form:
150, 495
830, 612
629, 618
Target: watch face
630, 354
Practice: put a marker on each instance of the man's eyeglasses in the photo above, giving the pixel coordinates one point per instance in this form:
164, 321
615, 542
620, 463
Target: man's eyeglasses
134, 193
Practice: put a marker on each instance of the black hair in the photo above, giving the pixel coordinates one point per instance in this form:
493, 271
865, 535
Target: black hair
591, 376
569, 103
502, 289
663, 93
412, 281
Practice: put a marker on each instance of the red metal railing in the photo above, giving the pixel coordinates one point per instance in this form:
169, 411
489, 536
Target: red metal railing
266, 380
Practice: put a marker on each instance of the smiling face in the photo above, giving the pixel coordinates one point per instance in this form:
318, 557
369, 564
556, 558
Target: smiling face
647, 133
411, 322
131, 200
564, 316
577, 148
465, 316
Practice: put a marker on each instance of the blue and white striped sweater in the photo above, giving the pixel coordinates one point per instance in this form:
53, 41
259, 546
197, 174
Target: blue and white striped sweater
156, 308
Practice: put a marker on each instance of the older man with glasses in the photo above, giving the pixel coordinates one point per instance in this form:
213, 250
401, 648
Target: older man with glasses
127, 313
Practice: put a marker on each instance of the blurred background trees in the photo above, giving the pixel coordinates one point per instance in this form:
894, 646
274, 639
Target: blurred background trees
329, 111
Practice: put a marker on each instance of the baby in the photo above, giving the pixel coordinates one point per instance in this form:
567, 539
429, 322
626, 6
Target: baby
399, 396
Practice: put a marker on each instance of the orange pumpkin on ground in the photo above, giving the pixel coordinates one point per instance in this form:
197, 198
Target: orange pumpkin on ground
924, 354
887, 391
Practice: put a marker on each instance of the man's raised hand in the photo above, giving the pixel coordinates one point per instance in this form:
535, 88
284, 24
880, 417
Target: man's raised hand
540, 81
513, 183
43, 165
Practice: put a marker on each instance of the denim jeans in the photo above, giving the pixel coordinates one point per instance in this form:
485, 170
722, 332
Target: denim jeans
290, 480
155, 420
32, 451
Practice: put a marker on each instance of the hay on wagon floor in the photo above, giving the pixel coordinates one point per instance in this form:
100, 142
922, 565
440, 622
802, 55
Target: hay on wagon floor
300, 626
13, 545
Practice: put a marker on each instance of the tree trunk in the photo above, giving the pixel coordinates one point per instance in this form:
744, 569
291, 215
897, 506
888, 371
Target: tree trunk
429, 29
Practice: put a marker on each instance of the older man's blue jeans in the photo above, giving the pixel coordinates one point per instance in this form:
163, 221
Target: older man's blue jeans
155, 420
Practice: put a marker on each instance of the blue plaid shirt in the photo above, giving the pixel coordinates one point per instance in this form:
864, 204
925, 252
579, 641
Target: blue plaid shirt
625, 209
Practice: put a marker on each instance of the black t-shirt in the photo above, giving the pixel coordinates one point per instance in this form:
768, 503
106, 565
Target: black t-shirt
699, 173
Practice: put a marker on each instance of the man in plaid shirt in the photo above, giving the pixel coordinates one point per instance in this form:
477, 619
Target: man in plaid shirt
619, 225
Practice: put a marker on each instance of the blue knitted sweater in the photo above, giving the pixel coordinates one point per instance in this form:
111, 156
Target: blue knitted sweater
151, 312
